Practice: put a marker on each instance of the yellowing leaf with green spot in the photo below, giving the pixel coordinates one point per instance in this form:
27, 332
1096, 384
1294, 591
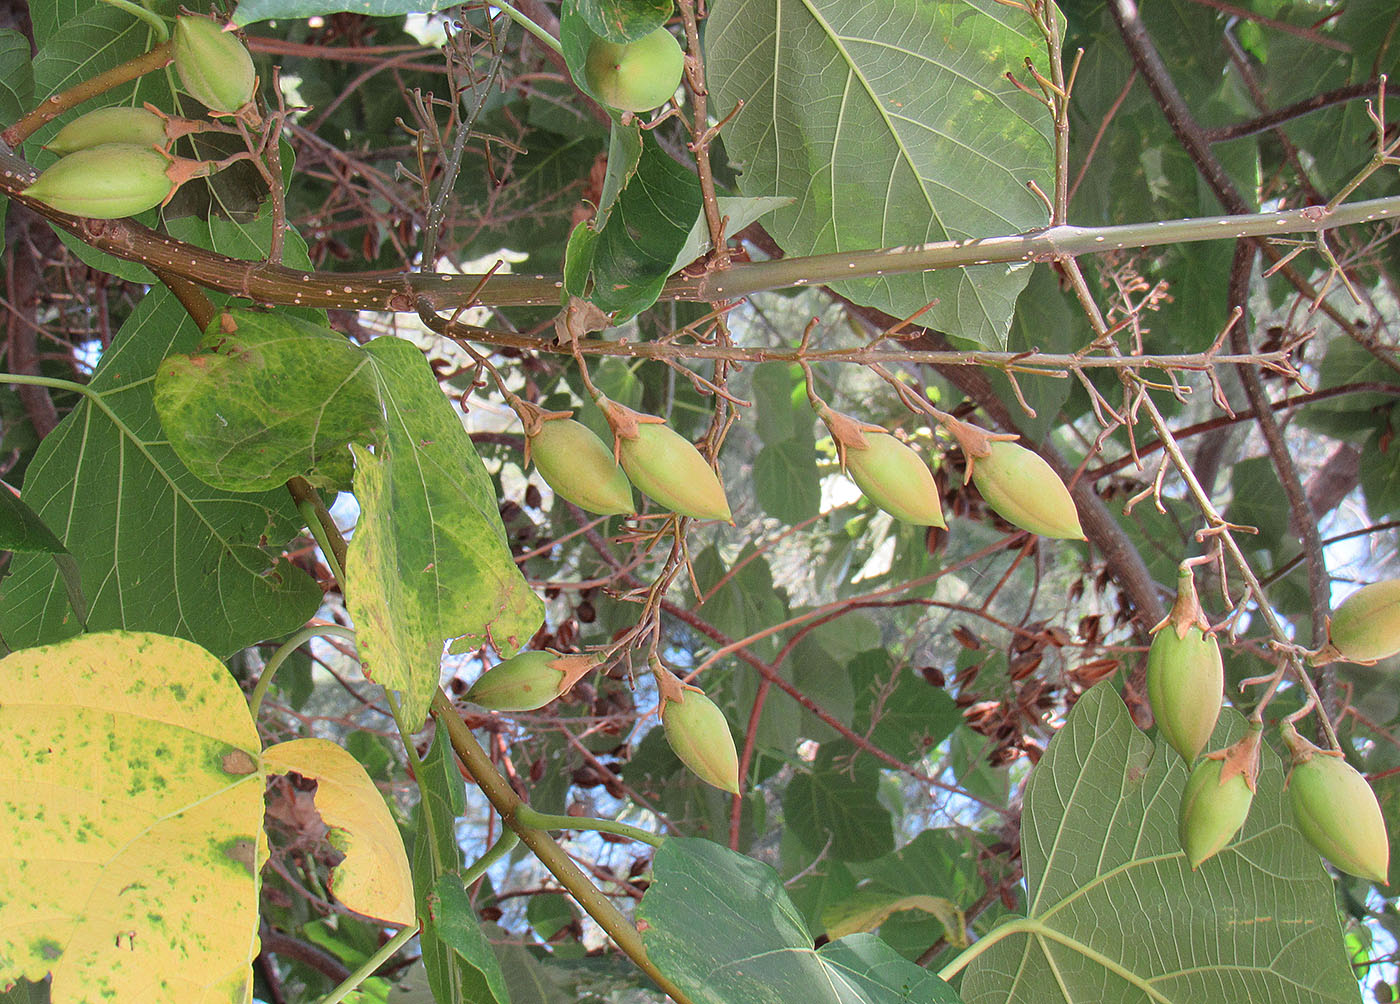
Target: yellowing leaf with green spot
374, 878
429, 560
131, 806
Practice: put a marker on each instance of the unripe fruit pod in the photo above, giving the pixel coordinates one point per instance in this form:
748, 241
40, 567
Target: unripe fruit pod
895, 478
528, 681
214, 66
1025, 490
667, 468
1211, 812
1185, 686
122, 124
105, 182
580, 467
1336, 810
635, 76
1366, 627
699, 734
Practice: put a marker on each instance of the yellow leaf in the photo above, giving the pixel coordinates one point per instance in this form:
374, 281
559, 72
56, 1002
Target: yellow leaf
868, 910
131, 806
374, 878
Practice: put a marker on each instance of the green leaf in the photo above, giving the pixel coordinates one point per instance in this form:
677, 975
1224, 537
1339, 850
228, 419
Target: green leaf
869, 909
723, 928
949, 864
132, 816
634, 251
21, 529
624, 157
158, 549
16, 80
250, 11
1380, 478
780, 403
1256, 922
1258, 502
786, 482
273, 398
840, 807
741, 210
88, 41
429, 559
454, 973
890, 125
910, 718
622, 20
549, 914
746, 601
454, 921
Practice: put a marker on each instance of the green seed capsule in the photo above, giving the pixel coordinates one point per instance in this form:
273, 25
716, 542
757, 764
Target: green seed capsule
635, 76
528, 681
1211, 812
1185, 686
214, 66
1366, 627
699, 734
123, 124
895, 478
580, 467
105, 182
1023, 489
667, 468
1337, 812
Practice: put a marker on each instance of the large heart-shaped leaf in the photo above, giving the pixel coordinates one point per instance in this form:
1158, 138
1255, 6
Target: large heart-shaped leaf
1116, 914
159, 549
889, 124
132, 814
722, 927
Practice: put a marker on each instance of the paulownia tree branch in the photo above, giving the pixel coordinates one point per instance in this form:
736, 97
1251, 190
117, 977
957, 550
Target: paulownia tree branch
265, 283
1192, 138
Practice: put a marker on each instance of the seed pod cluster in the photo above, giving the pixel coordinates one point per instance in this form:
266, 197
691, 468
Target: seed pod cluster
115, 162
